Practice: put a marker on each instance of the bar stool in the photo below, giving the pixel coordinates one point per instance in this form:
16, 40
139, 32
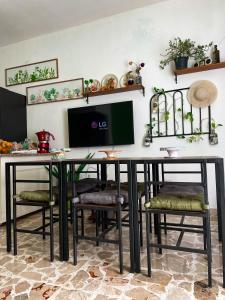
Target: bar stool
101, 201
111, 185
37, 198
47, 199
180, 199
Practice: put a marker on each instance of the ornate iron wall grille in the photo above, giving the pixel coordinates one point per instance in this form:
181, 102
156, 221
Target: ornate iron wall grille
172, 115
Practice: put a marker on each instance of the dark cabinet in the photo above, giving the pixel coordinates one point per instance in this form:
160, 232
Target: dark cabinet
13, 116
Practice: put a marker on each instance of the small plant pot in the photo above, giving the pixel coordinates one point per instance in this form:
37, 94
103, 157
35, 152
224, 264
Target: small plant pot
181, 62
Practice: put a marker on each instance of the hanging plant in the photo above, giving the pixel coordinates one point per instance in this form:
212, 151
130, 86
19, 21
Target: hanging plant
214, 125
189, 116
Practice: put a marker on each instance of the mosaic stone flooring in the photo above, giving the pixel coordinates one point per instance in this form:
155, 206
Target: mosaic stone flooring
176, 276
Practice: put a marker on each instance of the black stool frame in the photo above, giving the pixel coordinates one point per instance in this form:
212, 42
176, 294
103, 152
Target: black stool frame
100, 237
44, 205
204, 229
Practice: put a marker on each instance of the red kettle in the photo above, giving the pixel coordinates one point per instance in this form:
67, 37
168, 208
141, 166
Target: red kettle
44, 136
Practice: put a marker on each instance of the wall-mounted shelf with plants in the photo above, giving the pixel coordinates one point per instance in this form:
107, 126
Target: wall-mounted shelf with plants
128, 88
199, 69
180, 50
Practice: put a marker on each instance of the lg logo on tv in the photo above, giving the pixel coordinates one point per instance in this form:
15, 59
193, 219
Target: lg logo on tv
100, 125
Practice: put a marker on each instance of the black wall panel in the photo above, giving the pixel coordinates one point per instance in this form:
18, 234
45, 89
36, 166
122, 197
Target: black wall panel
13, 116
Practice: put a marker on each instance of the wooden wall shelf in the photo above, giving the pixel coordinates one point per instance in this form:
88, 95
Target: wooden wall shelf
199, 69
117, 90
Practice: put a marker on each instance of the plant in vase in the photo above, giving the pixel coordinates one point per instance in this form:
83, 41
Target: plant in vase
200, 54
134, 77
213, 137
178, 52
88, 84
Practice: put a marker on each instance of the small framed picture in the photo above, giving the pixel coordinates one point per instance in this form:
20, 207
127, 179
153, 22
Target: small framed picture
56, 91
34, 72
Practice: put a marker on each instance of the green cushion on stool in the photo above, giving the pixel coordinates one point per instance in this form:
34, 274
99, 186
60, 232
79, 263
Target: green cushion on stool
38, 195
194, 203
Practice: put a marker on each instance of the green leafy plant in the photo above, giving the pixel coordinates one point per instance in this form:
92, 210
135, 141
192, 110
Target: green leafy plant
71, 93
152, 125
186, 115
196, 137
77, 91
166, 116
38, 74
200, 52
177, 48
88, 83
214, 125
71, 176
158, 91
189, 116
32, 97
51, 94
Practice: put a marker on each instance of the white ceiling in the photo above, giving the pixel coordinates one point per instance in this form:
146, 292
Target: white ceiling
24, 19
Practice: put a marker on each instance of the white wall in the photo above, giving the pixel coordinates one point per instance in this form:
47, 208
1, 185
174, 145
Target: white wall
105, 46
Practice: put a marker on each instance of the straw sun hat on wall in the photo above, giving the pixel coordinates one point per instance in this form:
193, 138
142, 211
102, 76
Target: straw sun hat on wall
202, 93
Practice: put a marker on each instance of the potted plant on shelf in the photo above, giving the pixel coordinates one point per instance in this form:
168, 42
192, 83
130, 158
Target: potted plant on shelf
200, 54
178, 51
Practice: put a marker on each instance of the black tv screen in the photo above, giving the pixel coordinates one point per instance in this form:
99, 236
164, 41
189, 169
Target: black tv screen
101, 125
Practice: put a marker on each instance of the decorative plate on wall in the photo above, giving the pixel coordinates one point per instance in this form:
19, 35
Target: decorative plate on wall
123, 80
109, 82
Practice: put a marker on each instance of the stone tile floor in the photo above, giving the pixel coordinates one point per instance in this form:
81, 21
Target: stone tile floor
176, 275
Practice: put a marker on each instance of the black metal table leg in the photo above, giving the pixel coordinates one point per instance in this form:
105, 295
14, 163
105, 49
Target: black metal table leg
64, 214
218, 198
61, 233
103, 174
131, 222
221, 199
155, 177
63, 225
137, 260
8, 208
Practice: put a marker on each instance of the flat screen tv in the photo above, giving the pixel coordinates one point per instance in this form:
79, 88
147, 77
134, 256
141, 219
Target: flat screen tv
101, 125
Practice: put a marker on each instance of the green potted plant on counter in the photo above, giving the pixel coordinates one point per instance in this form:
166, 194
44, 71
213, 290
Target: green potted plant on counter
72, 175
178, 51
